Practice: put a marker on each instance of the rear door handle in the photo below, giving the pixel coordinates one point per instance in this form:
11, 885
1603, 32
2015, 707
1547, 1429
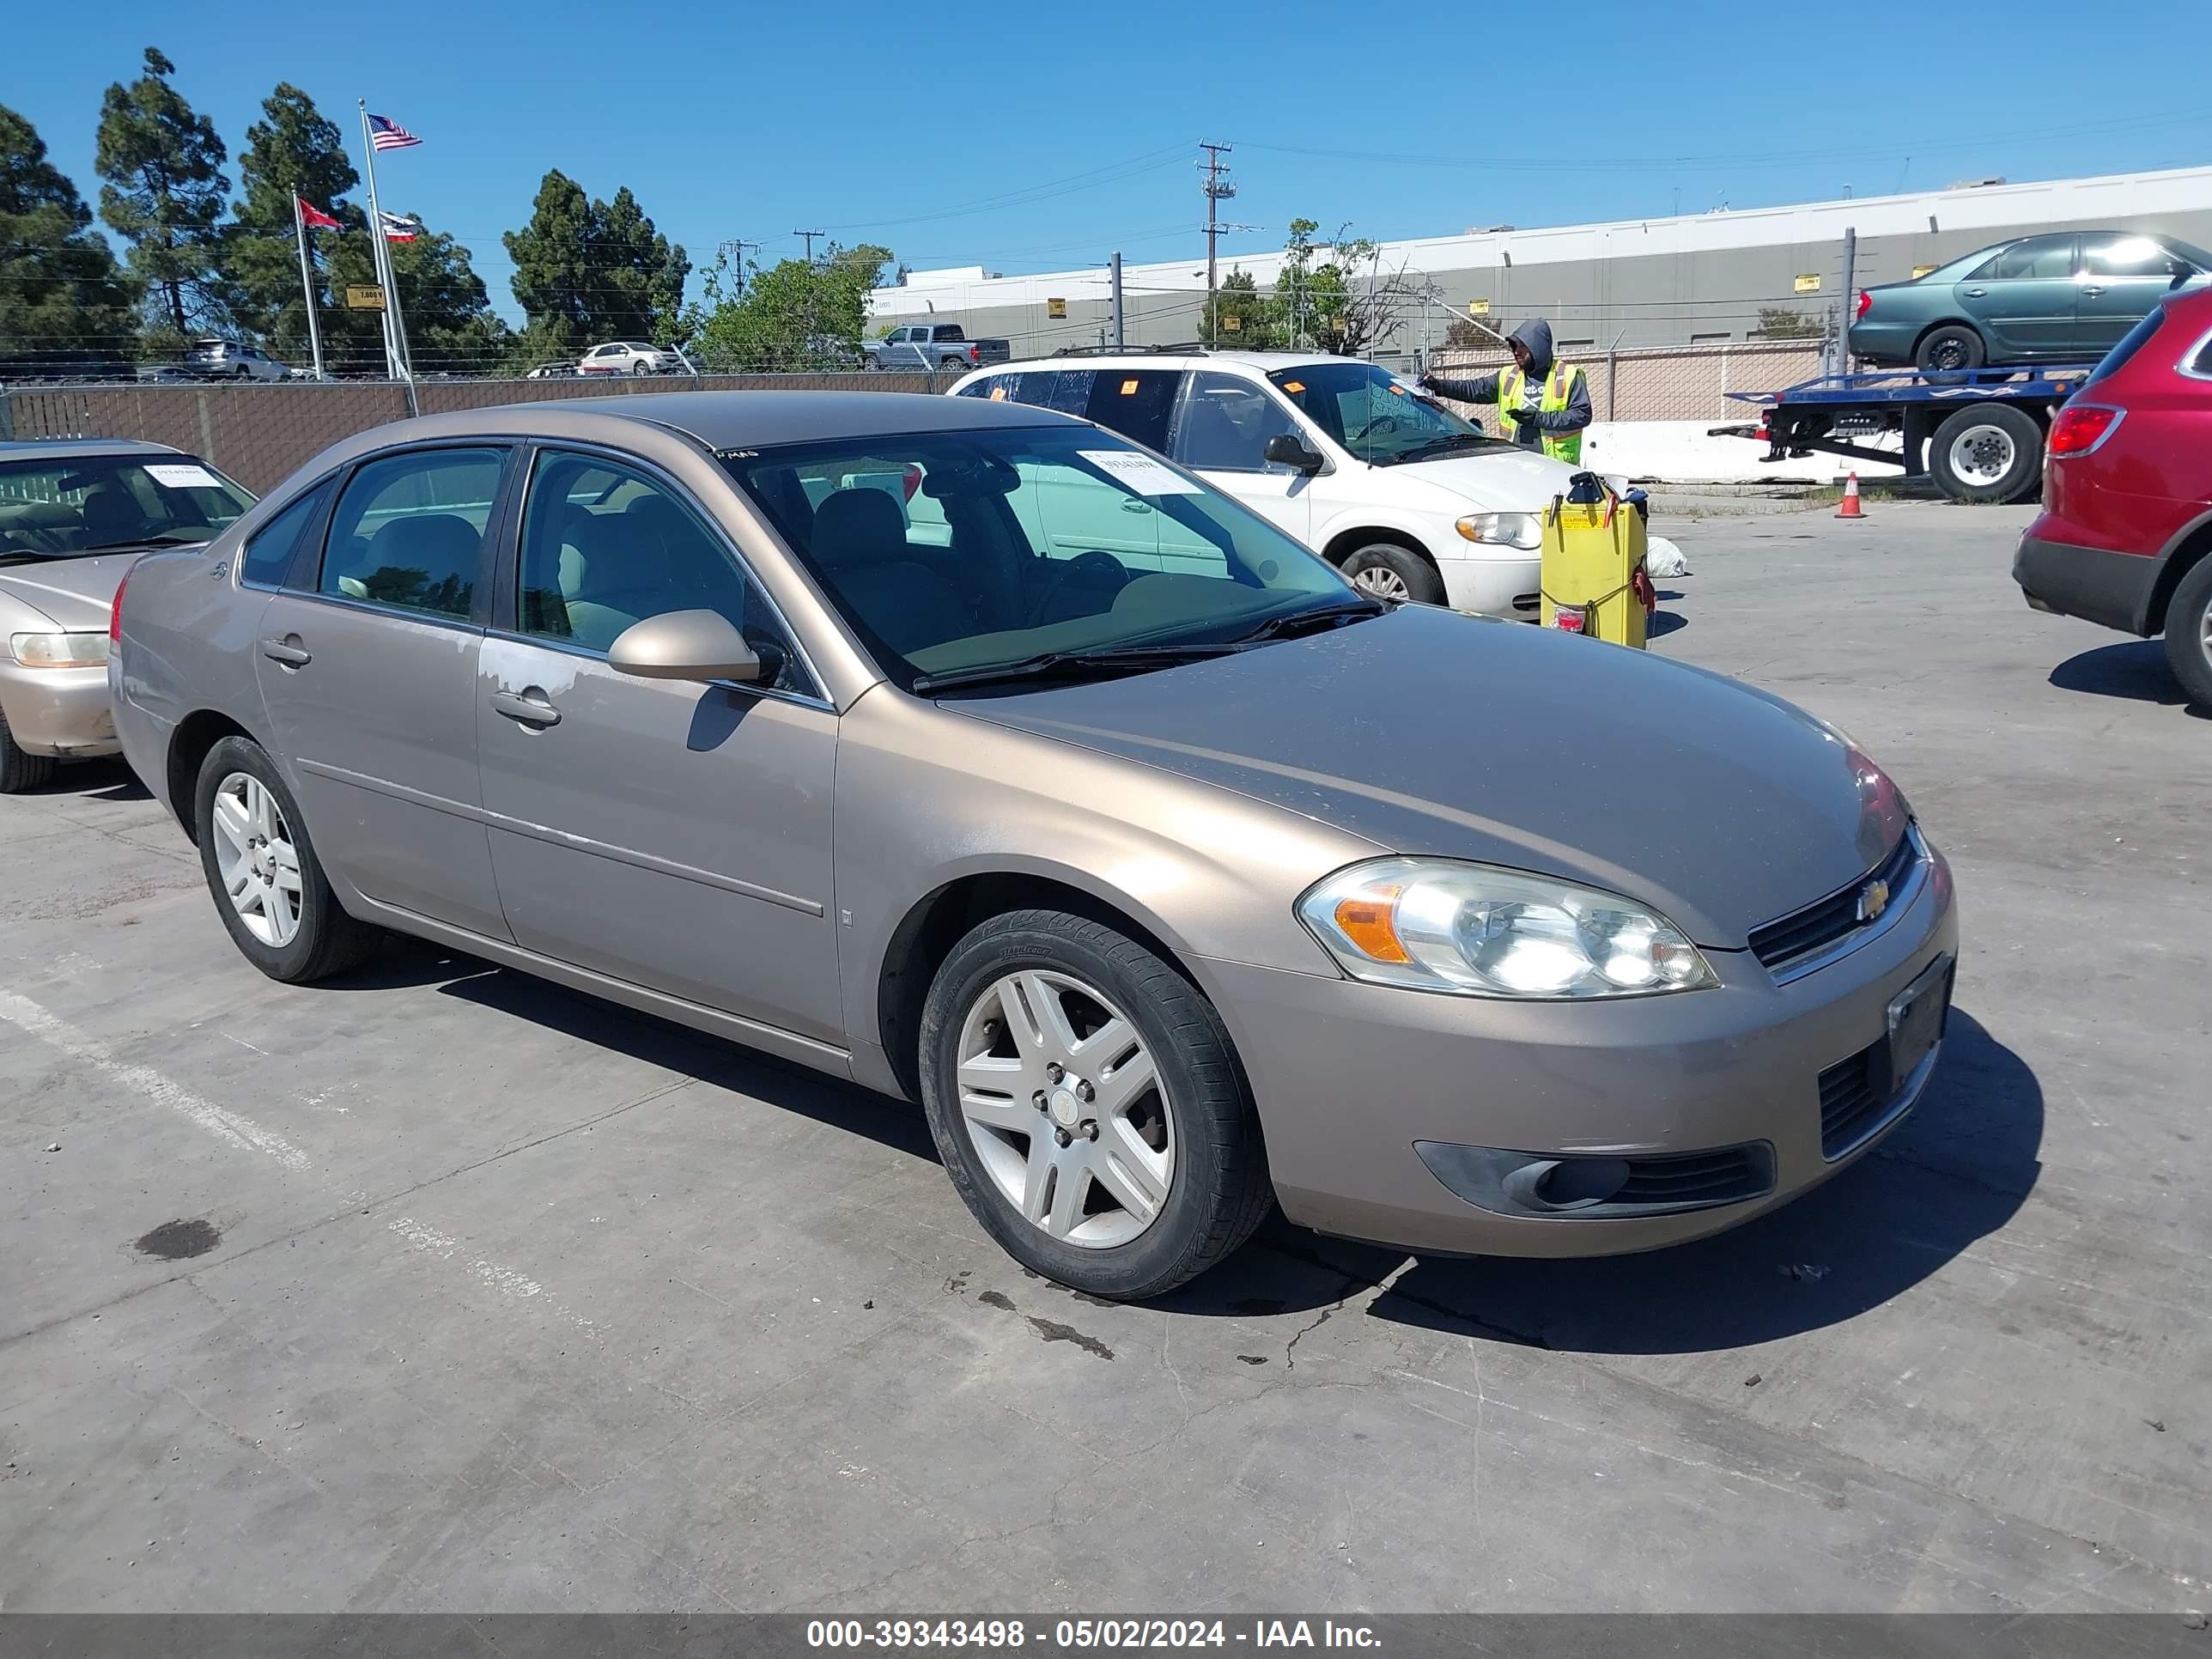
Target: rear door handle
288, 651
528, 709
1976, 293
2091, 293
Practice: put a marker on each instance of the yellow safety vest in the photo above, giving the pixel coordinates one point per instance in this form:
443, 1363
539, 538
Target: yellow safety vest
1559, 445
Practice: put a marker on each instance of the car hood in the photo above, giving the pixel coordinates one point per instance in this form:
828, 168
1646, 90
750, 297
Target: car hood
76, 593
1424, 732
1498, 480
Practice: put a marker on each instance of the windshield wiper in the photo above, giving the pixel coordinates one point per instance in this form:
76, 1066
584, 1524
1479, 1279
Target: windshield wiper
1314, 619
1073, 665
1436, 446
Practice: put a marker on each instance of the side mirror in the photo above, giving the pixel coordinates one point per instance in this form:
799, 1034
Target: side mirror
685, 645
1284, 449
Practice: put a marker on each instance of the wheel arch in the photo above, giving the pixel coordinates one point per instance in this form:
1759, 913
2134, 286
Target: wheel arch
1345, 543
195, 734
2183, 555
926, 934
1966, 323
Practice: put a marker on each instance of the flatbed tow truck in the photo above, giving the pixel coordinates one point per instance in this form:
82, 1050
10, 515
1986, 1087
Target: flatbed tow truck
1978, 432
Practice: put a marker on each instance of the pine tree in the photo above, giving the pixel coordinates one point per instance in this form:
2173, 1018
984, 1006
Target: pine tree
164, 194
63, 298
295, 148
587, 270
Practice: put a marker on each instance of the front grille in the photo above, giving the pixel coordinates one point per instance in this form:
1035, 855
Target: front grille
1851, 1102
1692, 1179
1803, 933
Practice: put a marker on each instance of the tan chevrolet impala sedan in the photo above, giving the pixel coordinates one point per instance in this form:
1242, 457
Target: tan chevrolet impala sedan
969, 751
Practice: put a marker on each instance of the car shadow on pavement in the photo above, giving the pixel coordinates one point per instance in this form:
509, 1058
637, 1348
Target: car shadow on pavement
107, 779
1954, 1172
656, 1041
2133, 669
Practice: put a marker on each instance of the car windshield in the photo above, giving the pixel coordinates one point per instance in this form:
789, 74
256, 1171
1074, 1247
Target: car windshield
63, 508
1374, 416
962, 553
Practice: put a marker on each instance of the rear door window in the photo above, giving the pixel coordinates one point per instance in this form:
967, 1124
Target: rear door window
409, 529
2034, 257
1135, 403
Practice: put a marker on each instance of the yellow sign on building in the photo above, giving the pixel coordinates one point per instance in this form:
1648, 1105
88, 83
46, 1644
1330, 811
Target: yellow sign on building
1809, 283
1478, 307
1055, 307
1232, 324
364, 296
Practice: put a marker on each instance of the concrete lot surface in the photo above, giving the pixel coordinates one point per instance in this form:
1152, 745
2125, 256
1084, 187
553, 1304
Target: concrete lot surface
446, 1289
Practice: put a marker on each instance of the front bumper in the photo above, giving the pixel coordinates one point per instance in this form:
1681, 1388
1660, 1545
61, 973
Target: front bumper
2113, 589
1349, 1078
1503, 586
57, 711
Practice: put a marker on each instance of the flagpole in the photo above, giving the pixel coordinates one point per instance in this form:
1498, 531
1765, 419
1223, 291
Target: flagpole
395, 337
307, 283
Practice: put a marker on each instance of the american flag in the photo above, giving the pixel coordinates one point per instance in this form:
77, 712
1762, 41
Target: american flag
385, 133
397, 230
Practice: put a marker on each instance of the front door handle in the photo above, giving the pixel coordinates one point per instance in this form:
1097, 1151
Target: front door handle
2091, 293
288, 651
530, 708
1131, 504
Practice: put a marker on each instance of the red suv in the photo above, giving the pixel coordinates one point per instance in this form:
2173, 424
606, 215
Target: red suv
2125, 535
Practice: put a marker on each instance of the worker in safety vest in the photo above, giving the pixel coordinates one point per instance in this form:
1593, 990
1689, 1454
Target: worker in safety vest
1542, 402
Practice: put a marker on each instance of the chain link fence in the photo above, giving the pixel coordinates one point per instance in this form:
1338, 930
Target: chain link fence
1668, 383
258, 433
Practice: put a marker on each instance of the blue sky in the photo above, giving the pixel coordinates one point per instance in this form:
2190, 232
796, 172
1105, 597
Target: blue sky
1044, 135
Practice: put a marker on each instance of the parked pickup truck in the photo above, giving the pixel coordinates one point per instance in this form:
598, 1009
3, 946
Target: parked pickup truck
933, 346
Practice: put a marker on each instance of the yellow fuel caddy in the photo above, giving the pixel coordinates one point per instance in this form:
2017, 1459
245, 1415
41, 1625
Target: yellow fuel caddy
1593, 578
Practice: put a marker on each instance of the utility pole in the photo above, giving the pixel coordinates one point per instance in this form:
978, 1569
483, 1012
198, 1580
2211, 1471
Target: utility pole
738, 247
810, 235
1844, 317
1115, 277
1218, 188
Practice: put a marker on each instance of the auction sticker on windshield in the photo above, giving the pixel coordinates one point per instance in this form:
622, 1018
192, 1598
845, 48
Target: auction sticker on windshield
182, 477
1140, 472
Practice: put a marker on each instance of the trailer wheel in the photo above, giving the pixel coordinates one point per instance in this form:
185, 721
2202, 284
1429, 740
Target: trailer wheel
1987, 452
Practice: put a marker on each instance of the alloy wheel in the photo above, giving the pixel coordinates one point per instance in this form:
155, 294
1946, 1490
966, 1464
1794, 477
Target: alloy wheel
259, 861
1066, 1109
1383, 582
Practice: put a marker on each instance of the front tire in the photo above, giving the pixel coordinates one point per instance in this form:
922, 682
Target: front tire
20, 770
2189, 635
268, 884
1144, 1166
1387, 571
1991, 452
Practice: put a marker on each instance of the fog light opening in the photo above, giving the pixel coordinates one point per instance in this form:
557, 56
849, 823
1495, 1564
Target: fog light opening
1575, 1182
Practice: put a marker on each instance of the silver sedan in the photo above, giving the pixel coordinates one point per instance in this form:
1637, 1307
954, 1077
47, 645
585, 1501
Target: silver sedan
966, 751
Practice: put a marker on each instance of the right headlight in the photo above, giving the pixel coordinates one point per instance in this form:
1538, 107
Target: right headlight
1477, 930
1521, 529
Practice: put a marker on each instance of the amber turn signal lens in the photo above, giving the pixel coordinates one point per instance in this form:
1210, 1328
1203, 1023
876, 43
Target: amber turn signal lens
1364, 919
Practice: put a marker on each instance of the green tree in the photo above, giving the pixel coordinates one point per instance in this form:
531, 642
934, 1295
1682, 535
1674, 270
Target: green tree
60, 292
293, 149
797, 314
1787, 323
451, 327
164, 194
1235, 315
587, 270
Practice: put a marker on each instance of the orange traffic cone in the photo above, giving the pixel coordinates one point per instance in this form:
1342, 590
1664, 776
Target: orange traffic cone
1850, 508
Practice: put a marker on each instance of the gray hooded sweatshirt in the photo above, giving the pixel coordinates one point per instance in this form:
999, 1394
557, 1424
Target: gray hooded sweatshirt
1536, 335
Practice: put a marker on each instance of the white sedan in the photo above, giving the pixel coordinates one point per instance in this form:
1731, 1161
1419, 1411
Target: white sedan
622, 357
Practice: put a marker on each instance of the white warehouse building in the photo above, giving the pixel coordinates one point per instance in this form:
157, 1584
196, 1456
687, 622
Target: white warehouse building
1692, 280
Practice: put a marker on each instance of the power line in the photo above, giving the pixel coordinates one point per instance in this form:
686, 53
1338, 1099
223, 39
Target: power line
1218, 188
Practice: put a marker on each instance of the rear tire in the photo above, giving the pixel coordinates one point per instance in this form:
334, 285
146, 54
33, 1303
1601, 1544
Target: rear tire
19, 771
640, 367
1954, 346
1197, 1115
317, 938
1989, 452
1384, 570
2189, 634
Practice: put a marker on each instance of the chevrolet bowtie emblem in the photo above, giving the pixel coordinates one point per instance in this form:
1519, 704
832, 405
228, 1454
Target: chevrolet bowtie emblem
1873, 899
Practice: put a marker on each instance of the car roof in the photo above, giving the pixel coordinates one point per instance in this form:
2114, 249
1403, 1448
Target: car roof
721, 420
32, 449
1262, 362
